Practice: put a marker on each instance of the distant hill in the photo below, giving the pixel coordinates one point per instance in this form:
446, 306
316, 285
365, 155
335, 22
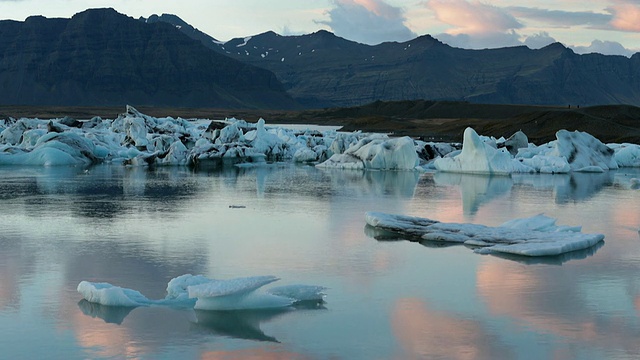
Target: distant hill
322, 70
101, 57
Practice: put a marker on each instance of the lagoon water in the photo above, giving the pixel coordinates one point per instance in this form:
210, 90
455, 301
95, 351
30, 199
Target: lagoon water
387, 298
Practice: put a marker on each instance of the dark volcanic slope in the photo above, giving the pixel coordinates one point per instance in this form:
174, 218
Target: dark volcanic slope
321, 69
100, 57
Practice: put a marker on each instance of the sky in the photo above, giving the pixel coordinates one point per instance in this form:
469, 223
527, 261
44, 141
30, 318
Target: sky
609, 27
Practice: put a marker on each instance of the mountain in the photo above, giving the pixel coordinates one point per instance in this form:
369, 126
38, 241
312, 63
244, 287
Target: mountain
101, 57
322, 70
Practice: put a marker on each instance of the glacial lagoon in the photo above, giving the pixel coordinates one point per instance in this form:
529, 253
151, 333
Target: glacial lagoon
387, 298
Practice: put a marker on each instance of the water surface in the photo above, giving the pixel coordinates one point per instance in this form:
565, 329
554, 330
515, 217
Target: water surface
387, 298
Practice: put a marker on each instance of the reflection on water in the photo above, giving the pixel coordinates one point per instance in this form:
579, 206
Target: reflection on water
110, 314
475, 189
244, 324
568, 187
138, 228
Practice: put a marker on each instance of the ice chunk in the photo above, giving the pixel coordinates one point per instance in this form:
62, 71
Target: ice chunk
536, 236
236, 286
478, 157
299, 292
203, 293
177, 287
571, 151
377, 153
107, 294
626, 155
516, 141
583, 151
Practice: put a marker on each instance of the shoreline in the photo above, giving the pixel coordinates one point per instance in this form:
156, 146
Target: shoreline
439, 121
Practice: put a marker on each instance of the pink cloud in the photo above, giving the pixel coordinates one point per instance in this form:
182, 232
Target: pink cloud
368, 21
378, 7
473, 17
626, 16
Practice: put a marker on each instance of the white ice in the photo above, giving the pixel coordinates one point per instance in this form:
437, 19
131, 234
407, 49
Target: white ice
571, 151
626, 155
534, 236
109, 295
202, 293
136, 139
376, 152
478, 157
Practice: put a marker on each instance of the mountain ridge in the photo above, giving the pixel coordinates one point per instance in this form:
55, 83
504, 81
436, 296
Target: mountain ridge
102, 57
354, 74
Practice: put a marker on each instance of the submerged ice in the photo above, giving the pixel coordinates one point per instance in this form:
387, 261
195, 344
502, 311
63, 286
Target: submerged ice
535, 236
202, 293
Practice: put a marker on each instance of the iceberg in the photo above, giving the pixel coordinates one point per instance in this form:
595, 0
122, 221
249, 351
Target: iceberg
626, 155
376, 152
110, 295
478, 157
570, 152
136, 139
534, 236
202, 293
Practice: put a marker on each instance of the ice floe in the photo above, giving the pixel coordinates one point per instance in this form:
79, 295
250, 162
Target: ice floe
534, 236
202, 293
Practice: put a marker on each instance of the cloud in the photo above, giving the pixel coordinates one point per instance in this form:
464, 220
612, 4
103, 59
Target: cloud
559, 18
626, 16
475, 25
603, 47
539, 40
368, 21
483, 41
473, 17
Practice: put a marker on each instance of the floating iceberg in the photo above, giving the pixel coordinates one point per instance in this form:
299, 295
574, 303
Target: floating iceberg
626, 155
478, 157
110, 295
571, 151
136, 139
207, 294
376, 152
535, 236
